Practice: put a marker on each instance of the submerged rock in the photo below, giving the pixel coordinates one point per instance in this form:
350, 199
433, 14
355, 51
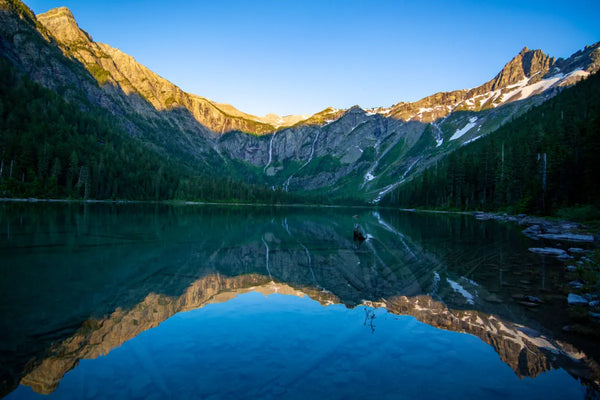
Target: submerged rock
528, 304
569, 237
576, 284
575, 299
551, 251
493, 298
533, 299
533, 231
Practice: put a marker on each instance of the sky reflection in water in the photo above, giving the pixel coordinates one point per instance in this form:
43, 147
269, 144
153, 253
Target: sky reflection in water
283, 346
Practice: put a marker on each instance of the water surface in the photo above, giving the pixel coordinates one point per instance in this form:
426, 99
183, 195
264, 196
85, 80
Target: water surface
135, 301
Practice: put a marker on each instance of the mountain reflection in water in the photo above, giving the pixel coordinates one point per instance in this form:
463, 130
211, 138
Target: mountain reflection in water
82, 280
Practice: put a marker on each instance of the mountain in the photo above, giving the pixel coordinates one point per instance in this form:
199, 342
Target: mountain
62, 135
367, 153
370, 152
111, 66
529, 73
331, 155
541, 162
285, 121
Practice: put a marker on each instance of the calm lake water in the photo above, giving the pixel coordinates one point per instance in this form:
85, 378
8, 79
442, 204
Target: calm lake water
156, 301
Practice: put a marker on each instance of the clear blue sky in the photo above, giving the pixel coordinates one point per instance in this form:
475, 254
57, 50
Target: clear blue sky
295, 57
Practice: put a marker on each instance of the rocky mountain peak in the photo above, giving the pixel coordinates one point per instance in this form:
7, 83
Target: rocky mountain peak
524, 65
61, 22
355, 110
535, 61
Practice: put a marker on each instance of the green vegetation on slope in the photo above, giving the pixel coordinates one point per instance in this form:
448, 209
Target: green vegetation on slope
52, 149
541, 162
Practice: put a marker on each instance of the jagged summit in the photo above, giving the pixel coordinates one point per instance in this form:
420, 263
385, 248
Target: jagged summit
61, 22
526, 64
529, 73
355, 109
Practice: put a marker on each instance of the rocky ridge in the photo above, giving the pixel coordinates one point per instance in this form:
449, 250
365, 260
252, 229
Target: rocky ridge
111, 66
529, 73
373, 151
107, 64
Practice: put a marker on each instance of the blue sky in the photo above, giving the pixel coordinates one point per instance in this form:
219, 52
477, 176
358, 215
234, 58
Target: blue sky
299, 57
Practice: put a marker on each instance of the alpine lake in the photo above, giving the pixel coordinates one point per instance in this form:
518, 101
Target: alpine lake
154, 301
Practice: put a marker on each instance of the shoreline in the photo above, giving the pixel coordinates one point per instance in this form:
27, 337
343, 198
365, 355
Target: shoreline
553, 226
33, 200
575, 245
548, 225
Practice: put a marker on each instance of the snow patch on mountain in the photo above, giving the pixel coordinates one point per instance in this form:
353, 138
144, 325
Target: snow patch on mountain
527, 91
460, 132
472, 140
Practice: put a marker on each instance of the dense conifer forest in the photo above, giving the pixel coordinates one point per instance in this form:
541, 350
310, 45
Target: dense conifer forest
50, 148
546, 160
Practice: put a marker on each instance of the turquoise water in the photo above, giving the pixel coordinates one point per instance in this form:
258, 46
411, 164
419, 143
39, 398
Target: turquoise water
154, 301
282, 346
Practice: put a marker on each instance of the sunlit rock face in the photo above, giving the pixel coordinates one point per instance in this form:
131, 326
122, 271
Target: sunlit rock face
115, 68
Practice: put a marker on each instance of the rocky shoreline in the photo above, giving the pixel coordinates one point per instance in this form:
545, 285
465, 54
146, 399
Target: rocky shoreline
579, 249
544, 228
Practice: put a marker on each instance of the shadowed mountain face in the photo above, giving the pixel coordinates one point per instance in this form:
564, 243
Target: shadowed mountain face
338, 153
103, 274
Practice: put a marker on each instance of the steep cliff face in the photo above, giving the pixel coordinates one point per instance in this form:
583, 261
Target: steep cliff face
30, 47
33, 50
525, 65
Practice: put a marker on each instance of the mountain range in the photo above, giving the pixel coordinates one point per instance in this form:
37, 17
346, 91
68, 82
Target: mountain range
338, 153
